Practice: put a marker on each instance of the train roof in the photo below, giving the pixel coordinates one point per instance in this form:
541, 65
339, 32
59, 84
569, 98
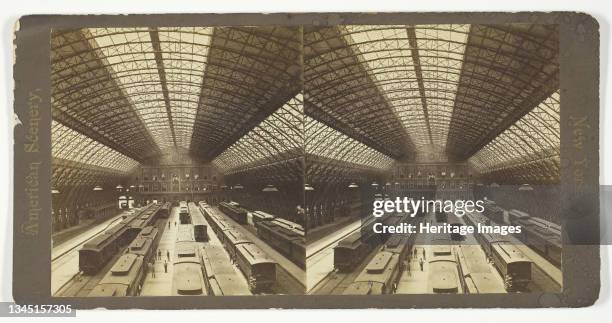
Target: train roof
254, 254
109, 290
197, 218
264, 215
236, 236
351, 240
486, 283
443, 278
379, 263
364, 288
519, 214
441, 250
148, 230
184, 233
138, 243
185, 249
511, 253
125, 263
397, 240
187, 279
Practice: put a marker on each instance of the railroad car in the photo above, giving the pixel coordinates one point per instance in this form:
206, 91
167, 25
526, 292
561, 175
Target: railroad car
379, 276
220, 276
234, 211
98, 251
184, 216
124, 279
443, 277
511, 263
200, 229
477, 276
350, 252
144, 244
258, 268
187, 276
232, 239
285, 238
262, 216
493, 211
184, 233
440, 216
383, 272
164, 211
542, 236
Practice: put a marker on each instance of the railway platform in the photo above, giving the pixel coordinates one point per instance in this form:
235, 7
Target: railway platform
161, 284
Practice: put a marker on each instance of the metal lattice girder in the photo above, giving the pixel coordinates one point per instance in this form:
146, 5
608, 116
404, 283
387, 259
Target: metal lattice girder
327, 170
342, 93
88, 98
70, 145
326, 142
529, 149
507, 71
279, 137
251, 73
417, 68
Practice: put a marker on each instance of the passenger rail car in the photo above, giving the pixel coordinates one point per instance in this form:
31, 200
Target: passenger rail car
124, 279
493, 211
184, 216
284, 238
352, 250
511, 263
475, 272
164, 211
443, 275
539, 234
200, 229
262, 216
127, 274
187, 276
234, 211
96, 253
220, 276
258, 268
383, 272
231, 240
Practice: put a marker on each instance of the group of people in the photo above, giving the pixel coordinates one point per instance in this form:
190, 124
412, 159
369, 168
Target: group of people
151, 264
421, 259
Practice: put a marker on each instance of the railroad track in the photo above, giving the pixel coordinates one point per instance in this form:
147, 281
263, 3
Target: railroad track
63, 258
329, 244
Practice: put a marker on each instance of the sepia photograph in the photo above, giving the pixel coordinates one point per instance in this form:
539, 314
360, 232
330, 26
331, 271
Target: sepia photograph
452, 113
306, 160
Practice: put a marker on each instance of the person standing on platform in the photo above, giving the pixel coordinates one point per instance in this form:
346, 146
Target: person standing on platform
158, 254
168, 224
168, 254
424, 254
165, 267
152, 269
421, 263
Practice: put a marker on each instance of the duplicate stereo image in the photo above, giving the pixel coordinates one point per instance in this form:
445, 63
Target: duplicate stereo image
305, 160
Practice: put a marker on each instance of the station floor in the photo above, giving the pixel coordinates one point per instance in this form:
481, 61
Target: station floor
65, 255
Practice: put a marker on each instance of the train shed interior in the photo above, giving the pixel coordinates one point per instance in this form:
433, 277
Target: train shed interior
287, 135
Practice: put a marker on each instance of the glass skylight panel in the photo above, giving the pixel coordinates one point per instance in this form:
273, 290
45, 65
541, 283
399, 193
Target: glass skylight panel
441, 49
326, 142
386, 52
184, 53
129, 53
534, 137
71, 145
280, 133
